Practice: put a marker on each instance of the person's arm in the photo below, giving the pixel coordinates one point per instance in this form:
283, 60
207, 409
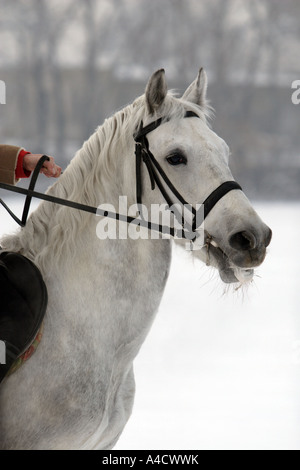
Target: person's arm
16, 163
9, 155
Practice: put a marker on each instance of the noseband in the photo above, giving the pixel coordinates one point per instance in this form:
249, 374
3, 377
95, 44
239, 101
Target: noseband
156, 174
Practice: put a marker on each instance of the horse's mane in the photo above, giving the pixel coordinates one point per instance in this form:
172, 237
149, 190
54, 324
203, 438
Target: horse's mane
91, 178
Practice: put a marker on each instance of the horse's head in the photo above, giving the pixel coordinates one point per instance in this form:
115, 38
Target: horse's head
195, 160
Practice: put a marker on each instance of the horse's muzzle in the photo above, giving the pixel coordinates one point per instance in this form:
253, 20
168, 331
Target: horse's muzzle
248, 247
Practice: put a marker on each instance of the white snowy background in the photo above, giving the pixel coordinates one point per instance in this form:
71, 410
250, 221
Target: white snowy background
222, 370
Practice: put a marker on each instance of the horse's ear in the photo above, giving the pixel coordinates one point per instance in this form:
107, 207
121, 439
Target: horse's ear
156, 91
196, 92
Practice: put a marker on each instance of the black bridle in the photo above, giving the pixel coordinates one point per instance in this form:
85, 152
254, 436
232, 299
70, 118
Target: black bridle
156, 175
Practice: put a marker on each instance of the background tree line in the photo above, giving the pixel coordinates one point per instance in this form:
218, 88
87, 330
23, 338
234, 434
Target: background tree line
68, 64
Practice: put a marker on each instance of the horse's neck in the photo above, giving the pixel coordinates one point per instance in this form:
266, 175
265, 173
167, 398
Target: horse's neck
123, 277
117, 283
53, 232
104, 292
113, 287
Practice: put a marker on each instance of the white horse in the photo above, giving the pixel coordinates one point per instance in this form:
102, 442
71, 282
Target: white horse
77, 390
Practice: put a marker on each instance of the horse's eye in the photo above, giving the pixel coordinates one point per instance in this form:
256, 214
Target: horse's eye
177, 159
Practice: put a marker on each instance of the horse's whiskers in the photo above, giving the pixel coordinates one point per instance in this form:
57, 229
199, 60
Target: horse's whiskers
208, 242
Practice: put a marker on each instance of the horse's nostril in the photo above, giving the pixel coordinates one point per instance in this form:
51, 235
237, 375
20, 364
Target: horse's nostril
243, 241
268, 238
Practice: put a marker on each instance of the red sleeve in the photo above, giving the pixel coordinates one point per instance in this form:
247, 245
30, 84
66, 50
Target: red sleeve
20, 172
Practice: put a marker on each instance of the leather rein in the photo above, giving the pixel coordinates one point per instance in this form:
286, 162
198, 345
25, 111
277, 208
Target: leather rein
156, 175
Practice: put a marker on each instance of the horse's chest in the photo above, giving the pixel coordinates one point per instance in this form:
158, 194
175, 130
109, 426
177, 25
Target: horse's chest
137, 268
150, 277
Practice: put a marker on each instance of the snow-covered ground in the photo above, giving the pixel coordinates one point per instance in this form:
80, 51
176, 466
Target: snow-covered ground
222, 371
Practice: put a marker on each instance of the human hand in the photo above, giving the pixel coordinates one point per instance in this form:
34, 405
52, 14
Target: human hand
49, 168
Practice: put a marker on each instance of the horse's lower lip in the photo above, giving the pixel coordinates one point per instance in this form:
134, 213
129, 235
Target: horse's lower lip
229, 272
228, 276
243, 274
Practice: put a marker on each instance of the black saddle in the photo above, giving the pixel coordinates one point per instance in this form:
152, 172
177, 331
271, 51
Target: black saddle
23, 303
